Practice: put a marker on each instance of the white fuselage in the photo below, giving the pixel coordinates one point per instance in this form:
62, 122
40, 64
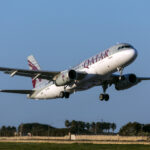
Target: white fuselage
97, 71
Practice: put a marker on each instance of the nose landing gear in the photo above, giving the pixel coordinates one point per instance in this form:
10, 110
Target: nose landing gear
120, 70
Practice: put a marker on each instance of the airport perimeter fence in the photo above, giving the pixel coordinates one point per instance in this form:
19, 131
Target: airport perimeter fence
82, 138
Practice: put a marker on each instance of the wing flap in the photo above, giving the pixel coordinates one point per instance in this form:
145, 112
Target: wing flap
18, 91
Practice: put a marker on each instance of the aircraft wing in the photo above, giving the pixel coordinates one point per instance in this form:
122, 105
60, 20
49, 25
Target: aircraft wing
143, 78
30, 73
18, 91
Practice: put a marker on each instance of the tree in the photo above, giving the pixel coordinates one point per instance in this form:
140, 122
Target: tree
98, 127
146, 128
7, 131
67, 124
131, 129
35, 129
87, 125
93, 126
113, 126
81, 127
3, 131
107, 126
74, 127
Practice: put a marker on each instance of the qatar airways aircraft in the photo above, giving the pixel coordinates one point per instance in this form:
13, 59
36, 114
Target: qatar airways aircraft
95, 71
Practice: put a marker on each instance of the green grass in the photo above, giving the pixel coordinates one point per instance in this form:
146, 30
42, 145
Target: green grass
34, 146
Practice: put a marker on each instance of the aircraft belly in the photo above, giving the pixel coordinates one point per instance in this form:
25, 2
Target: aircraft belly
50, 92
85, 85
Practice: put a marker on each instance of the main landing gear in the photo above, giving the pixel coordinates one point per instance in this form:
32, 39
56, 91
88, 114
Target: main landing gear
104, 96
64, 94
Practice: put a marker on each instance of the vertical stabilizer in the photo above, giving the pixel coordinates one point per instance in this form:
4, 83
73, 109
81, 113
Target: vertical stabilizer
33, 65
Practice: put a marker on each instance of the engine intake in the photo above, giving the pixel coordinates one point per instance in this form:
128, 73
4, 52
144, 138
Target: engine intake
132, 78
66, 77
72, 74
127, 81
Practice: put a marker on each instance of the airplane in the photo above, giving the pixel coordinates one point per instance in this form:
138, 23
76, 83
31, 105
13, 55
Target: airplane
96, 71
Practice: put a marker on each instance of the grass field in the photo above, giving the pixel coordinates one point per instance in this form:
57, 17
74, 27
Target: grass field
32, 146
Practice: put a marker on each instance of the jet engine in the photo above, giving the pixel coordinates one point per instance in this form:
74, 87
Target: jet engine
68, 77
126, 82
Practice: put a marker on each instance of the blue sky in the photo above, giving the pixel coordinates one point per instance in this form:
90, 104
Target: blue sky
61, 34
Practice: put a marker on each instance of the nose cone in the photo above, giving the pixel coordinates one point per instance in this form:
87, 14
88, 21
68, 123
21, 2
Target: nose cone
133, 54
129, 56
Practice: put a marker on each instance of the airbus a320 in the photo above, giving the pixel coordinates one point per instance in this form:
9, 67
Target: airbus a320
96, 71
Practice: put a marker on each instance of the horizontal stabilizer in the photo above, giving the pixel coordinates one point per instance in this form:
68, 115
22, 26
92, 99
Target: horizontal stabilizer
18, 91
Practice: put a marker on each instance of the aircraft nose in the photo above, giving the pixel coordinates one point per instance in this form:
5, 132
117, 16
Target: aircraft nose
133, 53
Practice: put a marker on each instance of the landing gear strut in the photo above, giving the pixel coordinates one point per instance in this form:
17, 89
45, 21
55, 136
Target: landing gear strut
104, 96
120, 70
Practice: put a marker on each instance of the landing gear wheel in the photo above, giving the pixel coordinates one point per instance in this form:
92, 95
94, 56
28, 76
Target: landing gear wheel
62, 94
101, 97
104, 97
67, 94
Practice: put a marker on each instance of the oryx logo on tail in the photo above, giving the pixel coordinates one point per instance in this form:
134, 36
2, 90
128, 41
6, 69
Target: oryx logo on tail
33, 65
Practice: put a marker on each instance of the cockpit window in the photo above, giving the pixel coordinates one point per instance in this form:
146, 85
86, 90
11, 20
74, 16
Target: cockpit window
124, 46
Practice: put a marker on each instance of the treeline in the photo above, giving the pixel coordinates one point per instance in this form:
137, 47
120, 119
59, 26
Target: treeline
76, 127
72, 127
135, 129
36, 129
80, 127
8, 131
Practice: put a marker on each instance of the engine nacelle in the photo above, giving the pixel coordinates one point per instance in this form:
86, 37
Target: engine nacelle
66, 77
126, 82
